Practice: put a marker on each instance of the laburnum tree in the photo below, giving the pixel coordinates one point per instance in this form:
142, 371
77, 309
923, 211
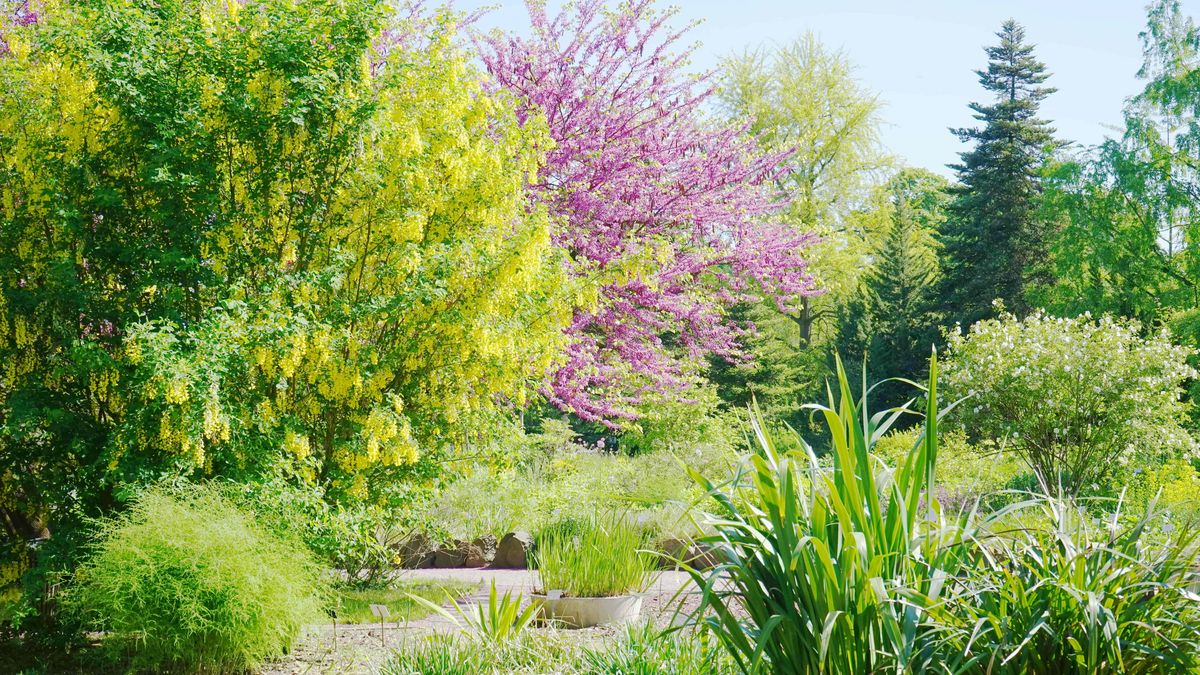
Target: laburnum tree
995, 242
240, 236
666, 213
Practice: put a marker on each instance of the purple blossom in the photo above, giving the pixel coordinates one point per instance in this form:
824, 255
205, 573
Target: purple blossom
16, 13
637, 168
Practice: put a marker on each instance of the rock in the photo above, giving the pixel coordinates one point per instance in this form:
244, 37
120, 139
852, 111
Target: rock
702, 556
697, 555
673, 550
453, 556
481, 552
513, 550
416, 551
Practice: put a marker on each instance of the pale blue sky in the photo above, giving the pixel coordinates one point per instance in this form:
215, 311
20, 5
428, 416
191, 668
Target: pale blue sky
919, 56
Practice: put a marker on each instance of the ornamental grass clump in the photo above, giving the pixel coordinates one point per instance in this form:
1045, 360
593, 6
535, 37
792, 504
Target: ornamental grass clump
834, 570
1081, 596
598, 556
185, 582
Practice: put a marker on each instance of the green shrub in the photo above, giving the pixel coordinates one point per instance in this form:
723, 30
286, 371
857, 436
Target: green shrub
357, 538
826, 570
1174, 487
966, 474
1076, 399
185, 581
681, 427
598, 556
1077, 597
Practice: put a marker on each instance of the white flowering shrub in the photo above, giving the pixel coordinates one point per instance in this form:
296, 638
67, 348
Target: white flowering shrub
1076, 399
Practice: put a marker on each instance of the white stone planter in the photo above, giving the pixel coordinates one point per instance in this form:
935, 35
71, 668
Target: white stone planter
587, 612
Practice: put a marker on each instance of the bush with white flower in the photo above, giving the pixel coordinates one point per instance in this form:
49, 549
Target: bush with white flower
1076, 399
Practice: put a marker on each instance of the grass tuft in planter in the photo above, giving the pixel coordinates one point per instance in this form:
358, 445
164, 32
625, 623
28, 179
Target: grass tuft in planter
597, 557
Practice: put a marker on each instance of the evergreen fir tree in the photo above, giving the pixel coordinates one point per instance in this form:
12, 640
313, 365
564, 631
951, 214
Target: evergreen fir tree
995, 242
892, 322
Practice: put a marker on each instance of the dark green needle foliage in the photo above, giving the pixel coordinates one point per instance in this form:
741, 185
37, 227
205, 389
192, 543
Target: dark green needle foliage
995, 242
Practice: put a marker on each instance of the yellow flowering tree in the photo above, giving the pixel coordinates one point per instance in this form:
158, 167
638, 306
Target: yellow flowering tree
236, 236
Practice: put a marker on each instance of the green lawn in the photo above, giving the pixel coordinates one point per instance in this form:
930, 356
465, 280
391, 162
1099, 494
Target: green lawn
355, 604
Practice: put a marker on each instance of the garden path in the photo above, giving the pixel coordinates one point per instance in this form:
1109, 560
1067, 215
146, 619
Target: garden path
359, 649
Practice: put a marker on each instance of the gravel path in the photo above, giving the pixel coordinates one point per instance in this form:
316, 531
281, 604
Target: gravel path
361, 649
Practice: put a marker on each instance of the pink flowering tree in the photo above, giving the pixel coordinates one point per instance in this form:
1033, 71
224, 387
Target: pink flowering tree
666, 212
15, 13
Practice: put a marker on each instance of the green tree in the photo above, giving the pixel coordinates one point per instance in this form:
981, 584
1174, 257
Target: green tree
244, 239
892, 322
995, 242
802, 98
1129, 241
1127, 208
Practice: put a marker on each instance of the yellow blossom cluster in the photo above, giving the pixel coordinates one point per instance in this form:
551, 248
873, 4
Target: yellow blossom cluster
334, 264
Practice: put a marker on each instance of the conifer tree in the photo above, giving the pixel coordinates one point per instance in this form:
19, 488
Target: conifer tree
891, 321
995, 242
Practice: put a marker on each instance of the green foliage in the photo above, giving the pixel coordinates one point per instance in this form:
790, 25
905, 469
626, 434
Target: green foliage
639, 651
645, 651
10, 607
353, 605
556, 478
893, 322
828, 569
498, 622
1174, 487
682, 426
597, 556
1130, 230
995, 242
357, 538
967, 474
185, 581
1081, 597
235, 237
802, 98
1076, 399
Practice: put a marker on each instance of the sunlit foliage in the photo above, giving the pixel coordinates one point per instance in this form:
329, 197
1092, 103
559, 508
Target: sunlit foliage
236, 236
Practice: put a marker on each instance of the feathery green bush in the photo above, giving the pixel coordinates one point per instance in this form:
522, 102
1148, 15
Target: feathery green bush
184, 581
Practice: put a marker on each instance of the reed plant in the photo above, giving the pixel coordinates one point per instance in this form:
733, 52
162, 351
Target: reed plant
1077, 595
834, 569
598, 556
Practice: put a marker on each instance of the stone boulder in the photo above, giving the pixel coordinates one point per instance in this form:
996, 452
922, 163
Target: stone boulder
416, 551
702, 556
696, 555
673, 550
454, 555
481, 552
513, 550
